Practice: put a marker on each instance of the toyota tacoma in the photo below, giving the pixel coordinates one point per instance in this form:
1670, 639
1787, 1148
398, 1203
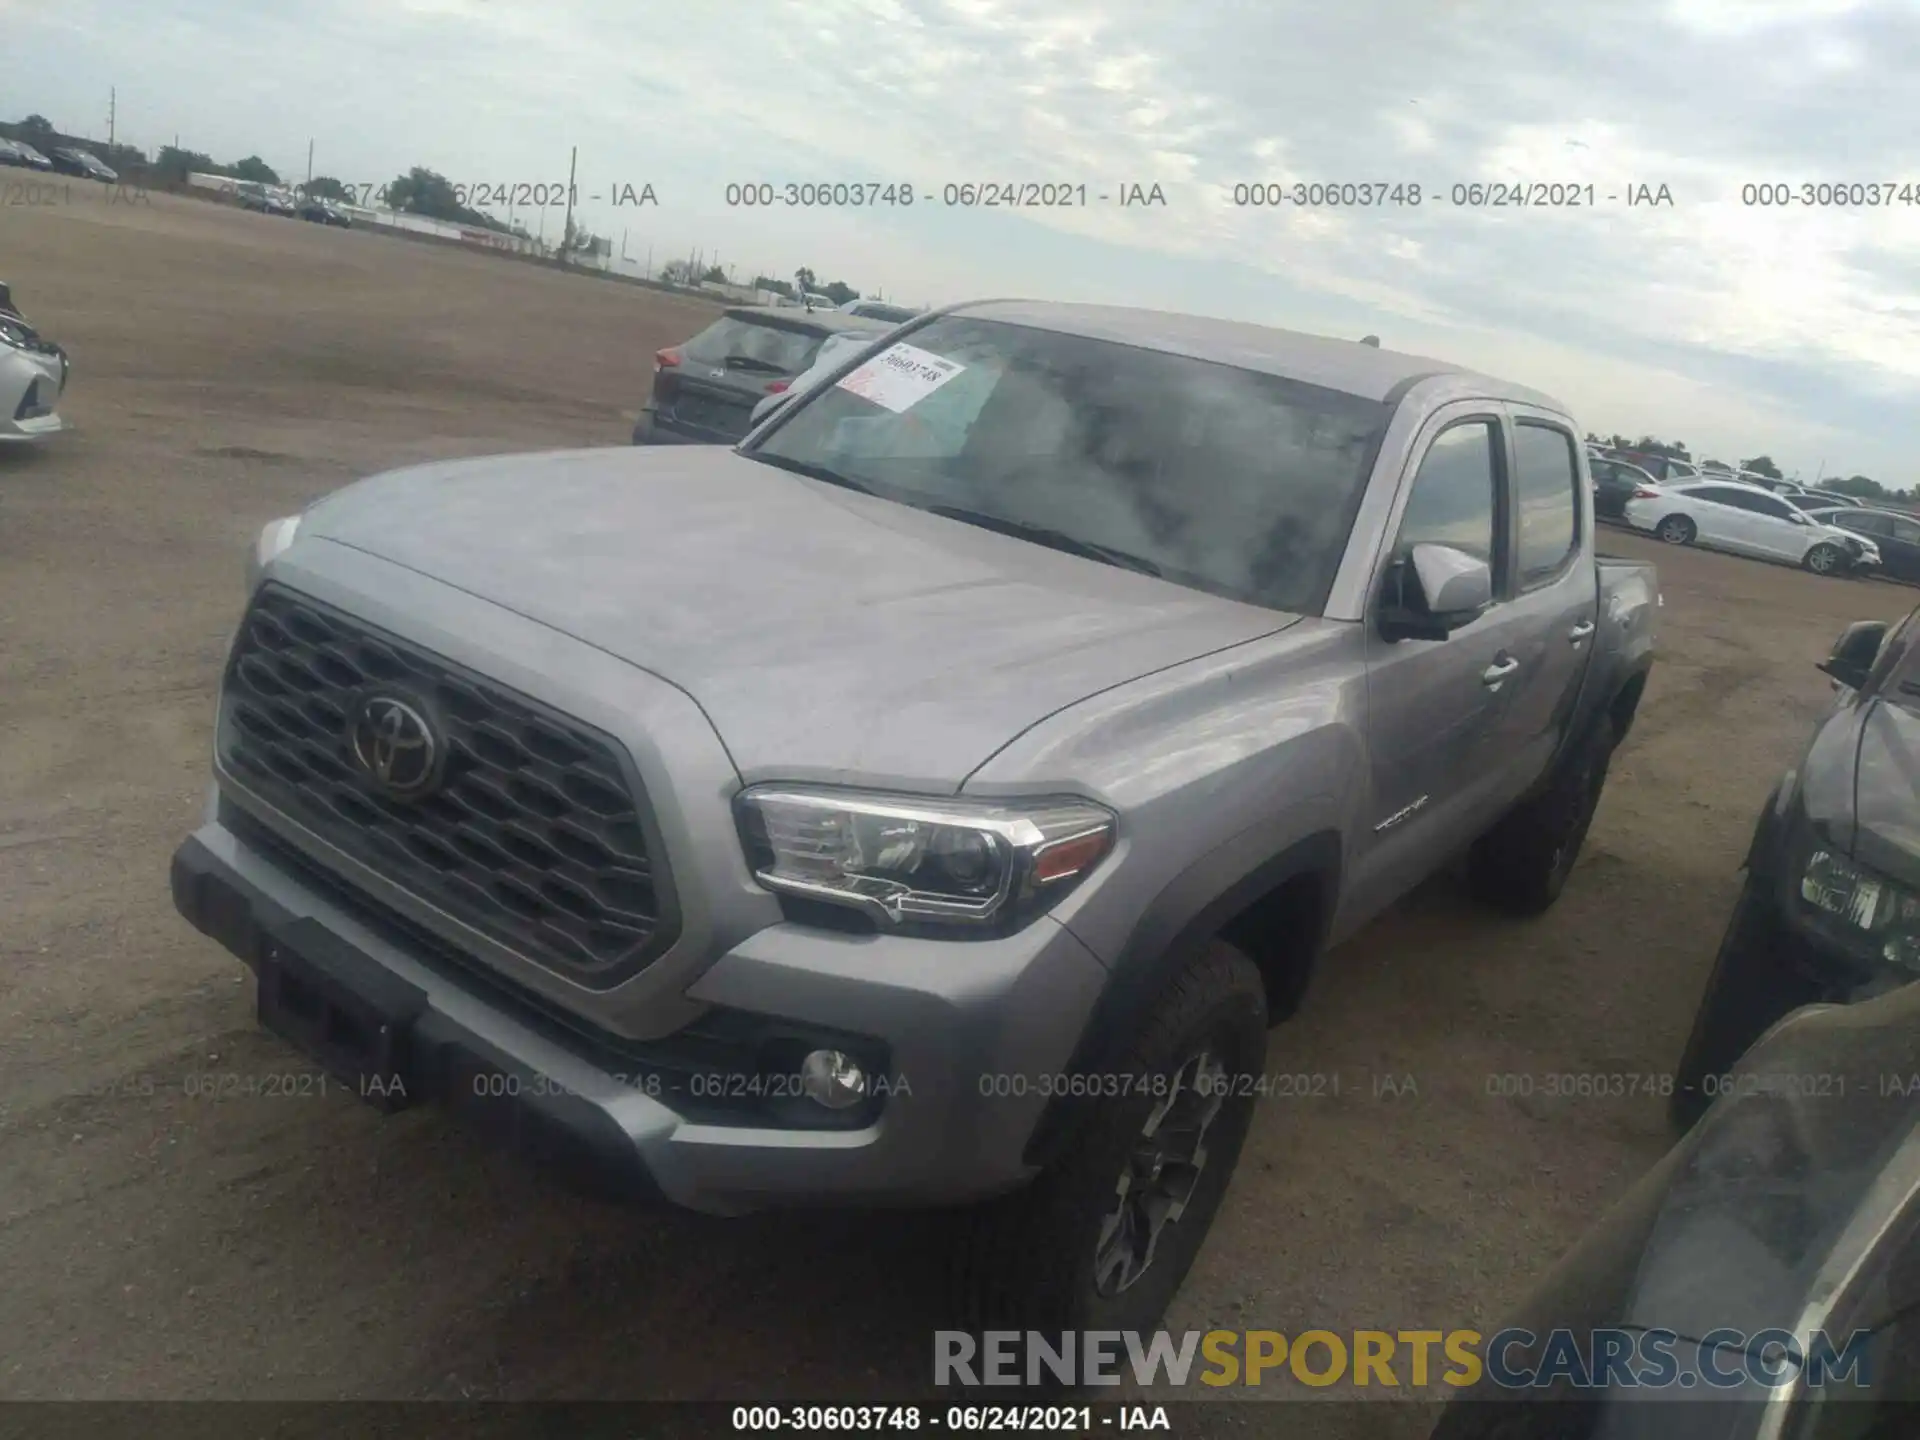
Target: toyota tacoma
933, 799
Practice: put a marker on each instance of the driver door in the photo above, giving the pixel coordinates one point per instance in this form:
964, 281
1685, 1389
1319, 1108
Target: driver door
1435, 707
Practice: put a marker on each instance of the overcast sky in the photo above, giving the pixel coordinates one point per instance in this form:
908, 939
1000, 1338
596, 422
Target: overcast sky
1794, 332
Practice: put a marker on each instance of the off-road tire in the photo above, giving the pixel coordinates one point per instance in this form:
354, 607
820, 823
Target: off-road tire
1026, 1261
1522, 864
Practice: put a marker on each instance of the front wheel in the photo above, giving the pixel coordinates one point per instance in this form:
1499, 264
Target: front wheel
1824, 559
1103, 1238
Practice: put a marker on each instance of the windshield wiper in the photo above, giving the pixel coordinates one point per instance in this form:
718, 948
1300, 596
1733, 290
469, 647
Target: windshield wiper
1051, 538
810, 470
753, 362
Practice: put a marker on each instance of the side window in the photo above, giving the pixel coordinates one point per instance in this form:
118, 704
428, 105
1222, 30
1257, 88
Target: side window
1546, 486
1767, 505
1906, 530
1716, 494
1454, 496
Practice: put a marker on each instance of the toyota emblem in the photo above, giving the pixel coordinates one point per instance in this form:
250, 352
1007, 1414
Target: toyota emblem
396, 745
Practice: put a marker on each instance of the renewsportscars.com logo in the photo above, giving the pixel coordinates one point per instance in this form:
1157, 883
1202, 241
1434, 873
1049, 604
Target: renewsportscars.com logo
1513, 1359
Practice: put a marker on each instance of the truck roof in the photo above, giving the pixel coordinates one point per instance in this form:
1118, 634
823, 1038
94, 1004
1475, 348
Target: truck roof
1344, 365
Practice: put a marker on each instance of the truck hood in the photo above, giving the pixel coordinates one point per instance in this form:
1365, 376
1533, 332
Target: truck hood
827, 634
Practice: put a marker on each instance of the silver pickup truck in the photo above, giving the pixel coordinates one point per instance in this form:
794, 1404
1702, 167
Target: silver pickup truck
934, 799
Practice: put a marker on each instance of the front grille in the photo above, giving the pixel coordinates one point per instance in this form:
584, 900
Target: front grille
536, 835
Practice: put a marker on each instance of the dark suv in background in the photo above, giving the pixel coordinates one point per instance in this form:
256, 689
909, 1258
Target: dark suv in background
704, 390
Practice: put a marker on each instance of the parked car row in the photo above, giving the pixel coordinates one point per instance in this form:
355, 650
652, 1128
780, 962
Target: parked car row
1748, 520
64, 159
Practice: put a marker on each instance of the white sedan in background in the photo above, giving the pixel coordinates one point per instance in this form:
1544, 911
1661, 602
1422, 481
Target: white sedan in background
1747, 520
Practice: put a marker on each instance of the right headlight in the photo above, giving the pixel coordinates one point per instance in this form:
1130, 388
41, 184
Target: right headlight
1887, 915
273, 540
909, 861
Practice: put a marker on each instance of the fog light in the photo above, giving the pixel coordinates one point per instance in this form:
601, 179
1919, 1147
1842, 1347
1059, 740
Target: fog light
832, 1079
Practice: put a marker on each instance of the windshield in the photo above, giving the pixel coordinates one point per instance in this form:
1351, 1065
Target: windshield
753, 344
1226, 480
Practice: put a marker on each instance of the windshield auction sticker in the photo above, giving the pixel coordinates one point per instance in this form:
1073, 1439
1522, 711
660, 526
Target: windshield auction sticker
900, 377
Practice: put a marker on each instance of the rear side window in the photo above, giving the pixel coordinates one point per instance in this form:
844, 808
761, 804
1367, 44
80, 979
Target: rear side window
754, 345
1906, 530
1546, 487
1453, 497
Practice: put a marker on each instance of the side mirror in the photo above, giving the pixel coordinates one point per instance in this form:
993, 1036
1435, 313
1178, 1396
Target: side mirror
1434, 591
1853, 654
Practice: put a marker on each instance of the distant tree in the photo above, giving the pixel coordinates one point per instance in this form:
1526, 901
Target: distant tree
1859, 485
427, 192
804, 278
779, 287
714, 272
840, 292
254, 168
175, 164
36, 128
1763, 465
1651, 446
325, 187
677, 272
1716, 465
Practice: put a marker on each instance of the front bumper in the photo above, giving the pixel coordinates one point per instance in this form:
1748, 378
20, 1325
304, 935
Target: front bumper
27, 376
951, 1018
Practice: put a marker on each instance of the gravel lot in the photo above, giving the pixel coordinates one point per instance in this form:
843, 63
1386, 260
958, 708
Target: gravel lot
228, 367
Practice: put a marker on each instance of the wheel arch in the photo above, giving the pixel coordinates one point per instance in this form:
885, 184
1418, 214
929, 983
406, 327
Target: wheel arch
1278, 909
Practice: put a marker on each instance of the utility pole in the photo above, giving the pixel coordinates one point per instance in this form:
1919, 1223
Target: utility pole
112, 99
1821, 471
566, 235
309, 184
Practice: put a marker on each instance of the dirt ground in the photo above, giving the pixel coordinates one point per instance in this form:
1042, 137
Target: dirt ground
157, 1245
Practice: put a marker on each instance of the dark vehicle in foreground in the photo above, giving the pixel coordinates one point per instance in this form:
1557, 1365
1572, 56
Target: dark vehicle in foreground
705, 390
1894, 532
72, 160
1830, 910
933, 800
33, 377
1761, 1282
1614, 483
19, 153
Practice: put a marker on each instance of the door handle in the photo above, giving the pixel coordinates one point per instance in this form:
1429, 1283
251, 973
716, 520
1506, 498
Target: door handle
1580, 631
1495, 674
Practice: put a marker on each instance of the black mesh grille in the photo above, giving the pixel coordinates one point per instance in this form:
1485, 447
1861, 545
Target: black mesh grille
536, 836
